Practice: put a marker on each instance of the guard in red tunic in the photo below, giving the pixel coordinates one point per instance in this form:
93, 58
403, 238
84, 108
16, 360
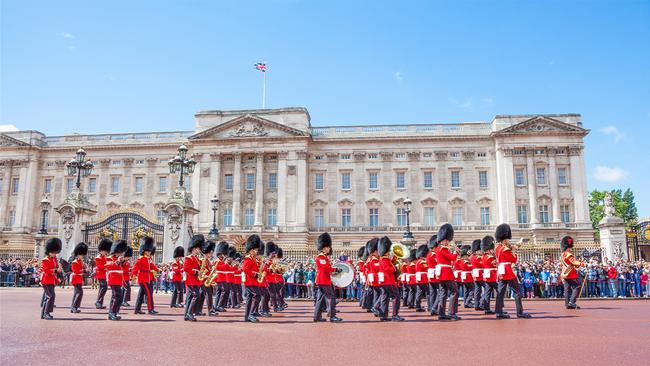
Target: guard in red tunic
444, 272
239, 298
489, 269
221, 268
250, 270
466, 278
49, 269
142, 269
115, 276
324, 288
283, 304
412, 283
569, 273
177, 278
361, 275
372, 267
126, 274
506, 258
207, 293
77, 276
192, 267
477, 273
100, 271
421, 277
433, 299
387, 282
273, 281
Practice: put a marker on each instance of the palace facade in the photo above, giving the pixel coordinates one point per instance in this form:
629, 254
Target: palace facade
277, 175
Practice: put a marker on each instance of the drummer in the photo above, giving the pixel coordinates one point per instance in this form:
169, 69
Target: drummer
325, 289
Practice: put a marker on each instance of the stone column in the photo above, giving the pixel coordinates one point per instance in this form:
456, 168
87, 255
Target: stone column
22, 191
30, 186
6, 189
282, 189
74, 212
236, 191
259, 190
612, 238
578, 185
552, 177
532, 187
214, 184
195, 188
301, 191
179, 213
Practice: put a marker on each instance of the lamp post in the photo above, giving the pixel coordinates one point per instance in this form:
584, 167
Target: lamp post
181, 165
79, 166
214, 232
408, 234
45, 207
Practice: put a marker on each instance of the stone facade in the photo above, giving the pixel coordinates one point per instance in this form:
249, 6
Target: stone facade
277, 175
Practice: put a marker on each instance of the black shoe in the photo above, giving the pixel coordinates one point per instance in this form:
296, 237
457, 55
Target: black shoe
335, 319
397, 318
213, 313
47, 316
420, 310
98, 306
114, 317
138, 312
190, 318
153, 312
443, 317
266, 315
368, 311
221, 309
384, 319
237, 306
252, 319
489, 312
468, 306
454, 317
200, 314
319, 320
72, 310
524, 316
433, 312
126, 304
479, 308
503, 316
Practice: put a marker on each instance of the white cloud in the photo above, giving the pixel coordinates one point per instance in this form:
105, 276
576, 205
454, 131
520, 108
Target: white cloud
462, 104
72, 48
488, 101
609, 175
8, 128
551, 63
398, 76
67, 35
612, 130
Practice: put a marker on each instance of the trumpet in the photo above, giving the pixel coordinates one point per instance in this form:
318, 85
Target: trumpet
203, 272
261, 273
211, 277
279, 267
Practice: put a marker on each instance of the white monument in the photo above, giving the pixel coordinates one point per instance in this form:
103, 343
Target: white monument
612, 233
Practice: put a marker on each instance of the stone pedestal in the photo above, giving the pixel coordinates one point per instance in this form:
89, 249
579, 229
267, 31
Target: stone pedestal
73, 212
612, 238
179, 212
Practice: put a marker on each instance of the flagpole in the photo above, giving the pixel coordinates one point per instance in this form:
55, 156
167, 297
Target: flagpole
264, 91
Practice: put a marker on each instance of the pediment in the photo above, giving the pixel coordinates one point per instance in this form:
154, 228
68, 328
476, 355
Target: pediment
373, 202
8, 141
429, 201
456, 201
319, 203
542, 125
248, 126
346, 202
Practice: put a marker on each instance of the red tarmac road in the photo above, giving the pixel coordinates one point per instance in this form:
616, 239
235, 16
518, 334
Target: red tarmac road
604, 332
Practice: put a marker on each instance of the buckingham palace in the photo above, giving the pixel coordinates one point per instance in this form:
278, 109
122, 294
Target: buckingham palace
277, 175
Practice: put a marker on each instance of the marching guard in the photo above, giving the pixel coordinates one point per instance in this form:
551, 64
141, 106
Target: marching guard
100, 271
372, 267
466, 278
444, 272
477, 273
361, 261
250, 270
569, 273
221, 268
126, 274
433, 298
115, 276
421, 277
325, 289
207, 293
387, 282
77, 276
177, 278
192, 269
506, 258
142, 270
49, 270
489, 269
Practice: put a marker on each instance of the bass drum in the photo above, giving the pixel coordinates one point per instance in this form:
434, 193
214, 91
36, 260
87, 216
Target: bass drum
345, 277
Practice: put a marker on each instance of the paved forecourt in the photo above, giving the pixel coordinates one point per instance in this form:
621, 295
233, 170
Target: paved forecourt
604, 332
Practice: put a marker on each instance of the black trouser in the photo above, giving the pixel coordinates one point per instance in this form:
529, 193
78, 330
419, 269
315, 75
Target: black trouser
198, 305
571, 291
209, 297
420, 294
240, 293
478, 290
218, 293
369, 297
411, 297
390, 292
434, 297
468, 298
376, 293
192, 296
145, 291
501, 295
253, 296
77, 296
116, 299
50, 296
264, 301
448, 289
324, 293
177, 295
103, 287
126, 288
223, 288
488, 289
276, 301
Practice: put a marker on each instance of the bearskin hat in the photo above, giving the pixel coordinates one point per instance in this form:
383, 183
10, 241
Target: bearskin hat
360, 252
129, 252
446, 232
80, 249
383, 247
566, 243
476, 245
412, 256
179, 252
104, 245
270, 248
197, 241
371, 246
147, 245
464, 251
119, 247
232, 251
487, 243
324, 240
208, 247
503, 232
422, 251
280, 253
222, 248
53, 245
253, 242
433, 241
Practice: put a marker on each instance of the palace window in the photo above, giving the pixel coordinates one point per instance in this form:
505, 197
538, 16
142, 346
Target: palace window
160, 215
271, 216
273, 180
319, 157
520, 177
345, 181
561, 176
12, 218
427, 155
400, 180
401, 217
250, 181
372, 180
428, 179
455, 179
319, 181
319, 218
400, 156
92, 185
346, 217
541, 176
481, 155
69, 185
346, 157
482, 179
454, 154
249, 217
485, 216
458, 216
429, 216
162, 184
228, 182
15, 185
115, 184
374, 217
139, 182
564, 213
543, 214
522, 214
47, 186
373, 156
227, 217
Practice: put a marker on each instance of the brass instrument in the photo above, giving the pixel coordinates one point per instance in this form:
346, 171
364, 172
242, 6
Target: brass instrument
261, 273
203, 272
279, 267
211, 277
399, 251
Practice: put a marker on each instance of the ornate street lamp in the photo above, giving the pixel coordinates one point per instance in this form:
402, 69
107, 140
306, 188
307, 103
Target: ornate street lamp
79, 166
181, 165
45, 207
408, 235
214, 232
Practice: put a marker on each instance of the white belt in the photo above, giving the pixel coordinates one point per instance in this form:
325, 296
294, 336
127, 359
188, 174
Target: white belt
439, 268
502, 267
431, 273
418, 276
115, 272
463, 275
476, 272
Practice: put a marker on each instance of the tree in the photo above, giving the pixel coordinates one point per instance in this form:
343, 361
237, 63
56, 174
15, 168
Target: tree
624, 206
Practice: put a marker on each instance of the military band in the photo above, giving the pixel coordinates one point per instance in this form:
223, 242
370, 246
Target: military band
78, 269
569, 273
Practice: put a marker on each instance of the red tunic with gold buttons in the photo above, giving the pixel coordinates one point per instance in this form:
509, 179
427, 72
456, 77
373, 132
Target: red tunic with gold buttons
126, 270
466, 271
489, 264
142, 269
177, 270
477, 267
237, 275
100, 267
191, 267
506, 259
250, 267
77, 275
114, 271
569, 265
421, 270
431, 263
445, 258
49, 267
412, 280
386, 273
372, 267
324, 270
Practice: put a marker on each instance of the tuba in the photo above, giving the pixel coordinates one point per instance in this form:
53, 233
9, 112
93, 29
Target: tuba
399, 251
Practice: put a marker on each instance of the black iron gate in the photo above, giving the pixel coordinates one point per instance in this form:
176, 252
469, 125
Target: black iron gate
130, 226
638, 240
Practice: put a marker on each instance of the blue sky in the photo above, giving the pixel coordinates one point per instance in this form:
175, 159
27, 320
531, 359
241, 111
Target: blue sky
121, 66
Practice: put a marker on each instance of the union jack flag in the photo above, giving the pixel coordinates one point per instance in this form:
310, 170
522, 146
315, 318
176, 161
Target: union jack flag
261, 66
